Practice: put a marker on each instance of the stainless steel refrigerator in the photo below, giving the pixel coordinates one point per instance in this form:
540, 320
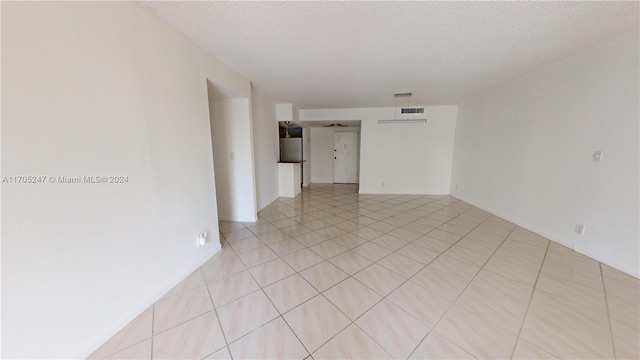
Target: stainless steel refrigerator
291, 151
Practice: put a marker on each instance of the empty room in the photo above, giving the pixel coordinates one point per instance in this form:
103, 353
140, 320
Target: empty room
320, 180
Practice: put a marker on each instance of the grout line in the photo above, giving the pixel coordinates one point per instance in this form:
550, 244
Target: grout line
215, 310
606, 303
463, 289
526, 313
277, 310
153, 325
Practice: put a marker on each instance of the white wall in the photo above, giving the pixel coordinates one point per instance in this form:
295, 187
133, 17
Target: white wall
524, 152
407, 158
231, 130
266, 148
322, 145
100, 88
287, 112
306, 156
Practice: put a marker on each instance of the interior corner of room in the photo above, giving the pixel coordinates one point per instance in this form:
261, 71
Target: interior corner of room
115, 88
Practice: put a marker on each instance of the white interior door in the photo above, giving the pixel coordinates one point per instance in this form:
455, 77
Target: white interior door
345, 157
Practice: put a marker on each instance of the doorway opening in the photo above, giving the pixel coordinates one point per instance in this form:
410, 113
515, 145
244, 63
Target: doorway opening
345, 157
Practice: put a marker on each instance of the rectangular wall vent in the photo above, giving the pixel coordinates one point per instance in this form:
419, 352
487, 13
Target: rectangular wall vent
412, 110
403, 121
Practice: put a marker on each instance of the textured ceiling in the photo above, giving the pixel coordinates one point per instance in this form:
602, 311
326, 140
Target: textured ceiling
358, 54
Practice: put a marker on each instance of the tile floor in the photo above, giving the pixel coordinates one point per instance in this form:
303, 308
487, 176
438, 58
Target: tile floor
336, 275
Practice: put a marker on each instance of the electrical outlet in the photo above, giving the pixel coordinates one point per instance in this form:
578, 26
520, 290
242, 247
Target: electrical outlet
597, 156
201, 239
383, 184
579, 229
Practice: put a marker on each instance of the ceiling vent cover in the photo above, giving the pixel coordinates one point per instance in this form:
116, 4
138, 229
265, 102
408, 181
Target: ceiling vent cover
412, 110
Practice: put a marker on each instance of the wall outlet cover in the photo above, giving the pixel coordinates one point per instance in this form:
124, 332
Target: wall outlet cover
597, 156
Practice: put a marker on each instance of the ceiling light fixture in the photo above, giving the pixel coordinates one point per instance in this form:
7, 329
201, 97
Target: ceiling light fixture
286, 127
335, 125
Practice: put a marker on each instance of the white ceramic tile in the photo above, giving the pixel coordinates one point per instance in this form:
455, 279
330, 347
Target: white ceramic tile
395, 330
435, 346
311, 238
141, 350
472, 257
244, 245
286, 247
273, 340
511, 270
390, 242
497, 299
323, 275
220, 267
273, 237
459, 269
367, 233
352, 297
245, 315
238, 235
424, 305
222, 354
475, 335
349, 240
526, 351
263, 229
328, 249
331, 232
194, 339
290, 292
303, 259
401, 265
444, 284
351, 343
180, 308
348, 225
432, 243
232, 288
404, 234
379, 279
271, 271
258, 256
350, 262
418, 253
328, 322
371, 251
565, 329
229, 226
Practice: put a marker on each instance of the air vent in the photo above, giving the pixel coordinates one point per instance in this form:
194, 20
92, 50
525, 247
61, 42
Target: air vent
415, 110
403, 121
